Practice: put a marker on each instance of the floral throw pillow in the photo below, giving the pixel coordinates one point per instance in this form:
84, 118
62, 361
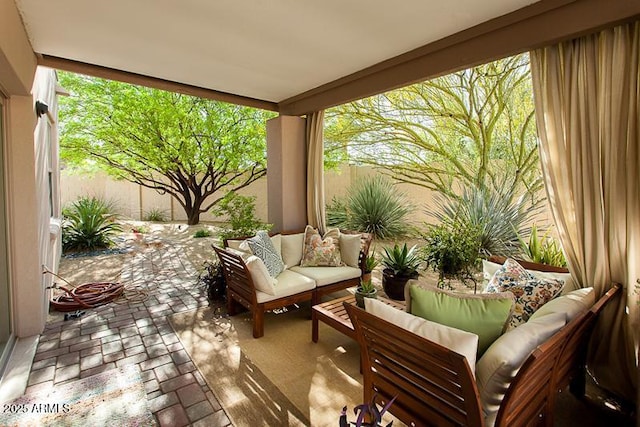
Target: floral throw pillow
531, 293
321, 251
262, 247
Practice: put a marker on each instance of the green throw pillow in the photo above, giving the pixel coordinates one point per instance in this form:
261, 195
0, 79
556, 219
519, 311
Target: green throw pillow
482, 314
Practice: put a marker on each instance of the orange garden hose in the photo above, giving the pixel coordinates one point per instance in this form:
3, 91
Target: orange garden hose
87, 295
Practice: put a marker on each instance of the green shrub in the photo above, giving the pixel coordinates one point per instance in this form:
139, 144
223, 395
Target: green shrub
543, 249
202, 233
373, 205
451, 250
155, 215
88, 224
240, 212
500, 218
212, 278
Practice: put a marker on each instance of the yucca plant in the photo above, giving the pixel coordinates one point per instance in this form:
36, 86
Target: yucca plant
500, 217
373, 205
543, 249
88, 224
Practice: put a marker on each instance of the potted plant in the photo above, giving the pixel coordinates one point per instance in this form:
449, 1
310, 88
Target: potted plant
368, 414
452, 251
400, 265
370, 262
365, 290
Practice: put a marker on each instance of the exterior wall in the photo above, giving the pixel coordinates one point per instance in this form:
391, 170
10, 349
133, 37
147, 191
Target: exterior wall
30, 245
337, 183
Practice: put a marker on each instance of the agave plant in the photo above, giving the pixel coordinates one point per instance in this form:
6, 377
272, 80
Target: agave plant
403, 261
373, 205
88, 225
500, 217
543, 249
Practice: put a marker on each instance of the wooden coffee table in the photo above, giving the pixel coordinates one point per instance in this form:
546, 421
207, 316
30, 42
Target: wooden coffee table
333, 314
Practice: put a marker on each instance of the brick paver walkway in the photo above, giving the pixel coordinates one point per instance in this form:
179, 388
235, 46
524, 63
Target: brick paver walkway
136, 331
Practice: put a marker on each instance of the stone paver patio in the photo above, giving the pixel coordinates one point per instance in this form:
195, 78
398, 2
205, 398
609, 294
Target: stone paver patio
135, 331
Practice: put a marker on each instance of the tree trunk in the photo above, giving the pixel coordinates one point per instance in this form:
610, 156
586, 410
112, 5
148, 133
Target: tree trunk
193, 213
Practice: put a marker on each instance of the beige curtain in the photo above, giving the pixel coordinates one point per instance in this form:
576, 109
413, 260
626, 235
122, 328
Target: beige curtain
315, 170
587, 104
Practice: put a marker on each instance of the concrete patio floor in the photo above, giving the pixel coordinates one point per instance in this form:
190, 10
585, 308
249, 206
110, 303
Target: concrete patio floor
136, 331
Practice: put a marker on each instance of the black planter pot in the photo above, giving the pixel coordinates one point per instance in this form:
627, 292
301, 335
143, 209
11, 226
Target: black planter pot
394, 285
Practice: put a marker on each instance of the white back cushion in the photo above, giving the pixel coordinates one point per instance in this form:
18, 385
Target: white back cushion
350, 249
571, 304
501, 362
291, 248
262, 280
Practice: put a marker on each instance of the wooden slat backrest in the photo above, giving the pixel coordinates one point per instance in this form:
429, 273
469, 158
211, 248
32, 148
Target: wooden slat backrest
433, 385
530, 265
236, 275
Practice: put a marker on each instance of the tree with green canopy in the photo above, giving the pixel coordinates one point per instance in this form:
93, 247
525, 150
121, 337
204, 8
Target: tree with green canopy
195, 150
474, 128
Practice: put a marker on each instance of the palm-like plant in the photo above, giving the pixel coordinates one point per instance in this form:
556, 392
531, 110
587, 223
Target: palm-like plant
373, 205
500, 217
88, 225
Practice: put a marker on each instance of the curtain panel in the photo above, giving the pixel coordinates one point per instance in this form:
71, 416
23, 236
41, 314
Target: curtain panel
587, 103
315, 171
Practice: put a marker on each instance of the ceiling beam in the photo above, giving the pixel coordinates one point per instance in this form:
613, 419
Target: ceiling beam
540, 24
153, 82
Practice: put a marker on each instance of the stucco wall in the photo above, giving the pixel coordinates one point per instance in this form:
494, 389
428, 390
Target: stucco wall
127, 196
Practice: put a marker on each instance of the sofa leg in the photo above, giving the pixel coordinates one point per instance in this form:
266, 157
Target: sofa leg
258, 322
231, 306
578, 384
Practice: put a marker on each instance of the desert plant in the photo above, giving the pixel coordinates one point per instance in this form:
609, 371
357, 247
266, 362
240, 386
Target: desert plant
402, 260
202, 233
500, 217
370, 262
212, 278
543, 249
368, 414
155, 215
373, 205
365, 289
451, 250
240, 212
88, 224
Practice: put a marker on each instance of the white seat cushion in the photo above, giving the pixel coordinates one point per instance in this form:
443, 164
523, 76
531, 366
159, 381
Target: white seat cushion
327, 275
289, 283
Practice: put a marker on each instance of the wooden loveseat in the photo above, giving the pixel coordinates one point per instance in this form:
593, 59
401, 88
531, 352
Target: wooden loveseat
295, 284
435, 386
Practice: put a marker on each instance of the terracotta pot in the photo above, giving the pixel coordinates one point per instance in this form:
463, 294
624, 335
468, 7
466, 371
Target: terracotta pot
394, 285
361, 296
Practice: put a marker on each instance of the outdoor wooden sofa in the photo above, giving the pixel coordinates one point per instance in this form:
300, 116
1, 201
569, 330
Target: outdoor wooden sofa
434, 386
241, 289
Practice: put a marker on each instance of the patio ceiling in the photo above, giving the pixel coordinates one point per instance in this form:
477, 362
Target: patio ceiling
295, 56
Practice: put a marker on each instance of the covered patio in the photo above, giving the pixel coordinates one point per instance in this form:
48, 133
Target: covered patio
299, 59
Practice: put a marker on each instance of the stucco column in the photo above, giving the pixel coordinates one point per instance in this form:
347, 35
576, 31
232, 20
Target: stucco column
26, 265
287, 173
